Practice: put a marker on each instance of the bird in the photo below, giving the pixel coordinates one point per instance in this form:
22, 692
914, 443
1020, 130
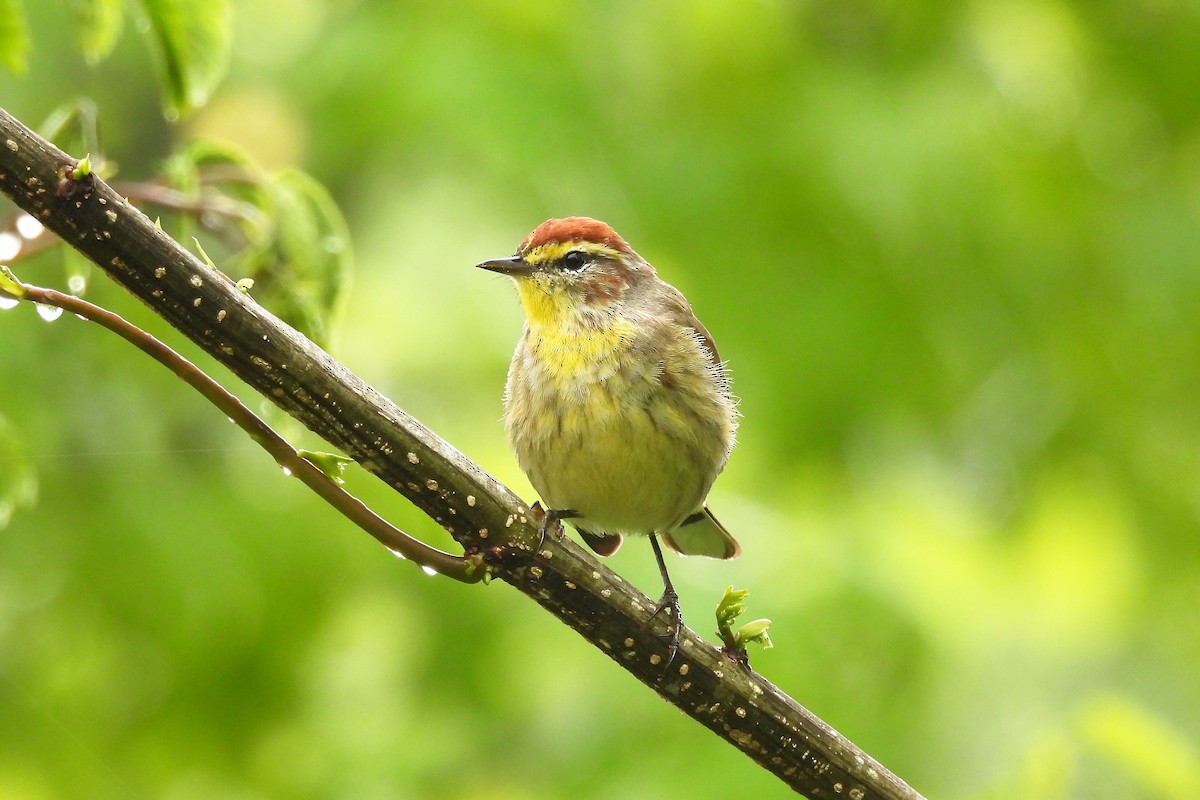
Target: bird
617, 404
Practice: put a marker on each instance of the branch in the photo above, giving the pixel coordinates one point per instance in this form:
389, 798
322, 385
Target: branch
286, 456
730, 699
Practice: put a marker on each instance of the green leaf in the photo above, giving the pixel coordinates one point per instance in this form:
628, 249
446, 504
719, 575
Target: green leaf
731, 606
184, 171
284, 233
99, 25
311, 254
194, 39
755, 631
73, 126
183, 168
14, 36
297, 251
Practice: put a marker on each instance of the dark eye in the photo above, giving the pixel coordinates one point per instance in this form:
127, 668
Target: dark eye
574, 260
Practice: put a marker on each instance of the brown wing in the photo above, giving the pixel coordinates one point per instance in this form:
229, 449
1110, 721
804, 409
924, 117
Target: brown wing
681, 313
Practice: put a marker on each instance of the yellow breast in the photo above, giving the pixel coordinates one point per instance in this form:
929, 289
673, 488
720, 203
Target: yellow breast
598, 432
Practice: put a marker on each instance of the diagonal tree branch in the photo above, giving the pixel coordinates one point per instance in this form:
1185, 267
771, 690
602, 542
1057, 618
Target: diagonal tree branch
482, 515
289, 458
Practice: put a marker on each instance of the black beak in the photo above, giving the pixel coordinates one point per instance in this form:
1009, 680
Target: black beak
513, 265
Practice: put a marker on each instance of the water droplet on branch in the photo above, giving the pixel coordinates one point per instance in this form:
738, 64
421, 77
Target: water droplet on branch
48, 313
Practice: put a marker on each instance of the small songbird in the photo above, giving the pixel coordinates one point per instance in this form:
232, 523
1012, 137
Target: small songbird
617, 404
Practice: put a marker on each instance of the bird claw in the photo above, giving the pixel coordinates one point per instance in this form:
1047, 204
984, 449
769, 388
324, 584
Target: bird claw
670, 601
551, 520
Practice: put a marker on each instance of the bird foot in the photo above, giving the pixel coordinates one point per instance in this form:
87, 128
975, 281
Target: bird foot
670, 602
551, 521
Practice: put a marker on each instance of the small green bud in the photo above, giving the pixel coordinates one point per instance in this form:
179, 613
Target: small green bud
732, 605
83, 168
245, 285
333, 465
10, 285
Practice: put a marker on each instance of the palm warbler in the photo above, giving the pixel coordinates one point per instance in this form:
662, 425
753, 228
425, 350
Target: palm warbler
617, 404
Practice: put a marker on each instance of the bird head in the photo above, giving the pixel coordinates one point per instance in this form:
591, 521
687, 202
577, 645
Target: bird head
572, 268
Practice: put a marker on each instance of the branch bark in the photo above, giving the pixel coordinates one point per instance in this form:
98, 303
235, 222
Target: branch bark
486, 518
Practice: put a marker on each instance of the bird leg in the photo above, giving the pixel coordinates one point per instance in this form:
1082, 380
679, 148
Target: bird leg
669, 600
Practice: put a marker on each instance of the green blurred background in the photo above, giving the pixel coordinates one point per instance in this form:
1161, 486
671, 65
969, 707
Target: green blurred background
952, 254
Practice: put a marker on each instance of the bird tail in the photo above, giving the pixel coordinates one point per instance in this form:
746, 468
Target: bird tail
701, 535
605, 544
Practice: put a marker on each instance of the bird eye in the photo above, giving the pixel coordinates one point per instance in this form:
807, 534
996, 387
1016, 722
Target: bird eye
574, 260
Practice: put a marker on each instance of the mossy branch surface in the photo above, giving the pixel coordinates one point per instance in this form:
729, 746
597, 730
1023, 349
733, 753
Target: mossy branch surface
487, 519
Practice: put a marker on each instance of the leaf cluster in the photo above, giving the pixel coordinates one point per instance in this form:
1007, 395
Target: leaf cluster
281, 230
190, 37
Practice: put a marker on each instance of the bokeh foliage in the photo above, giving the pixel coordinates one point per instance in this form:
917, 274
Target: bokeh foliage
951, 252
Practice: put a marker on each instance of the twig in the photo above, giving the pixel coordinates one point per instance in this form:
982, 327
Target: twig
466, 570
200, 203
